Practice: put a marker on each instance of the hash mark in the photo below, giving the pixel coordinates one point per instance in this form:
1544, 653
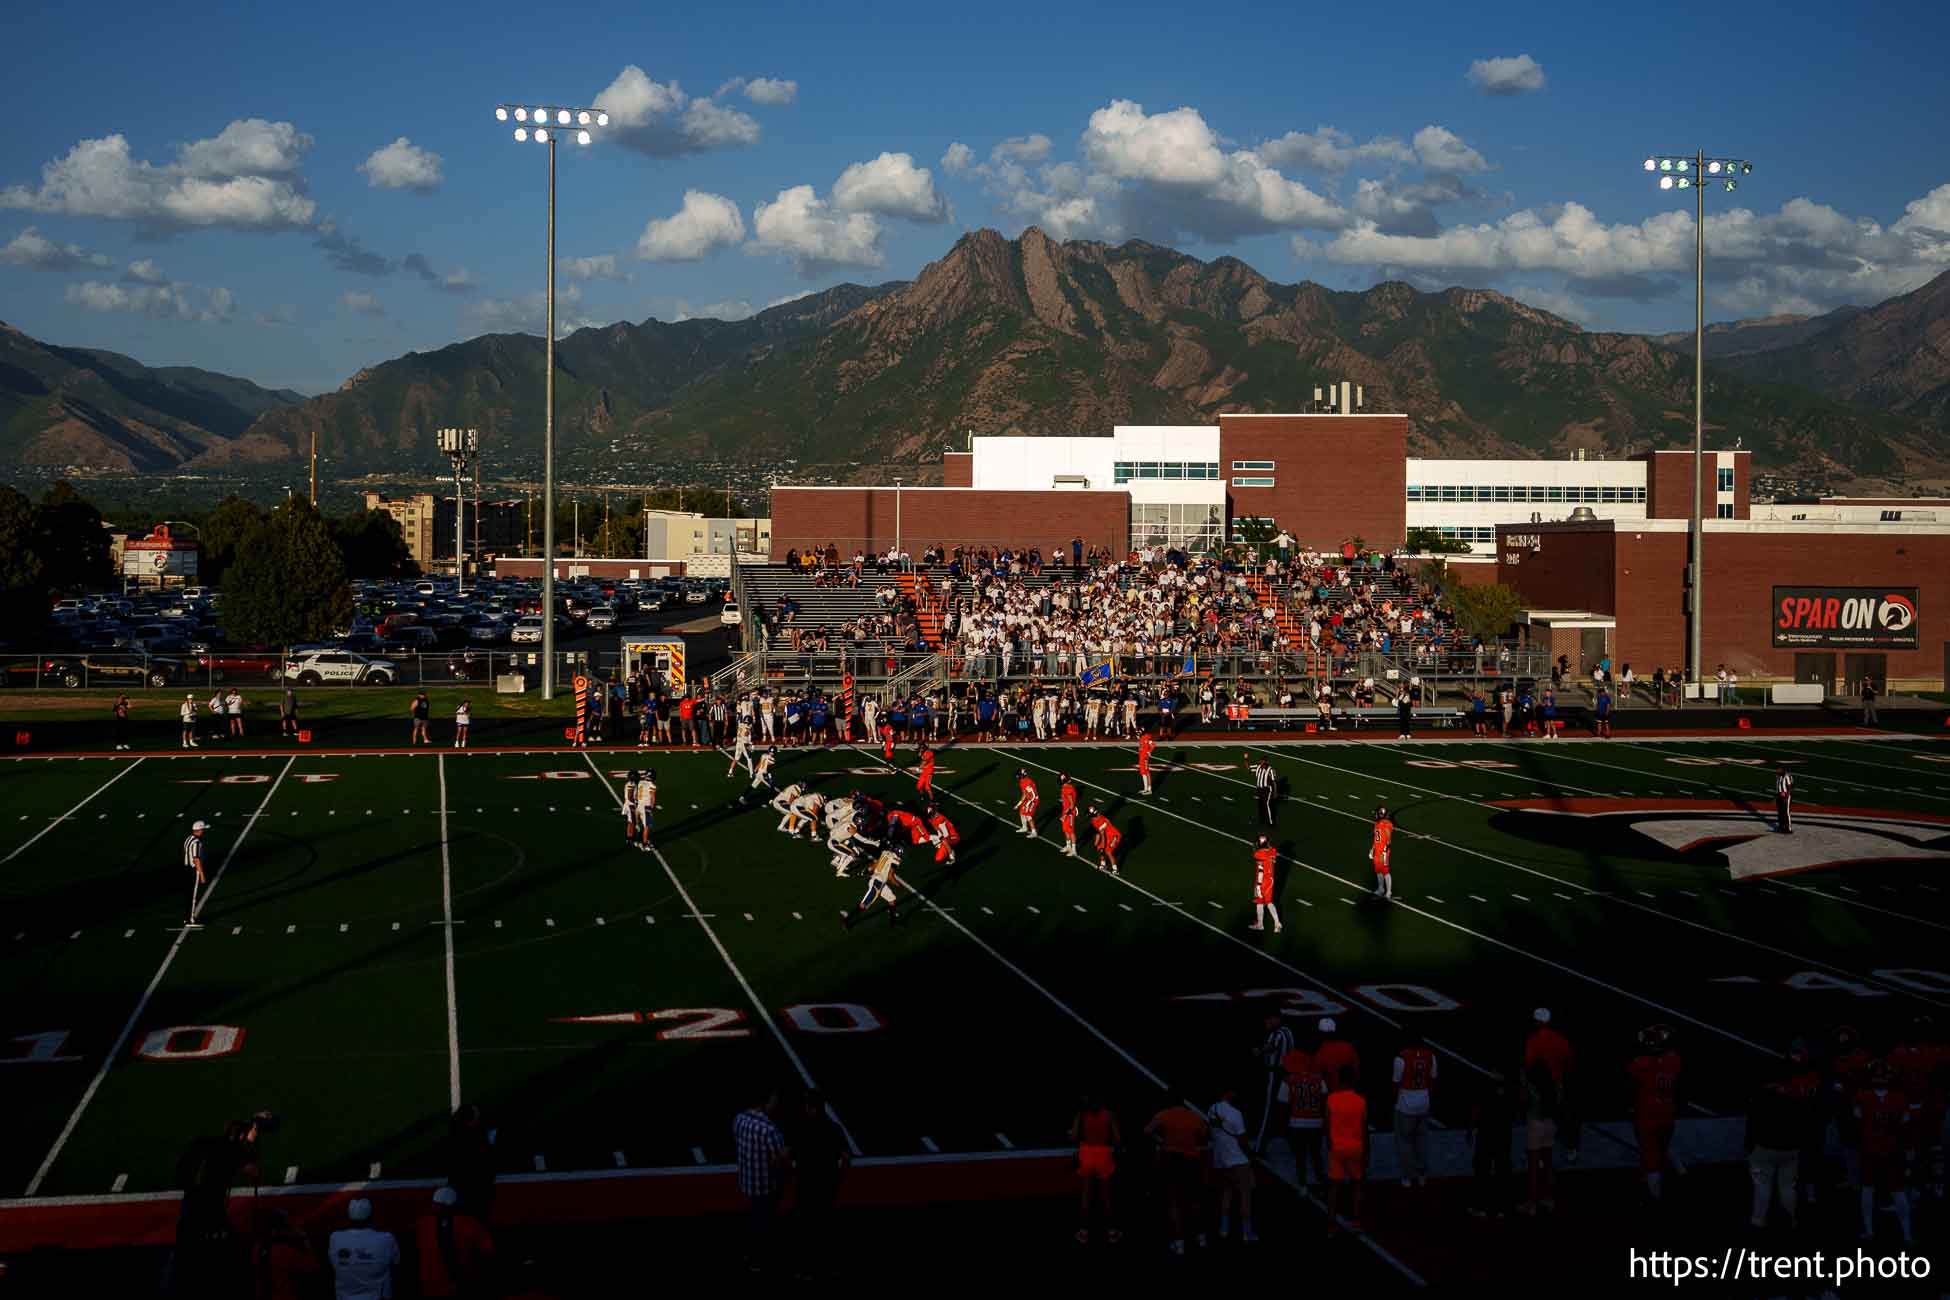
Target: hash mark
1080, 907
541, 1166
1003, 1140
497, 925
1037, 910
797, 917
291, 929
235, 930
697, 1154
929, 1143
1642, 894
343, 927
1214, 906
1348, 901
551, 922
121, 1181
1479, 898
989, 911
1565, 897
1303, 902
748, 916
1434, 899
1125, 906
620, 1162
290, 1175
128, 934
373, 1173
600, 921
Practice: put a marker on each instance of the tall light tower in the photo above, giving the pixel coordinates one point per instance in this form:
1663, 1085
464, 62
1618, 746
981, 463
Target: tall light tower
459, 446
543, 124
1697, 173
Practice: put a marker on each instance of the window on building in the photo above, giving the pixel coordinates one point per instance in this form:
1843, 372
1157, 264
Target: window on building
1238, 465
1122, 471
1591, 496
1503, 492
1554, 493
1414, 491
1725, 483
1173, 470
1260, 523
1538, 492
1253, 480
1608, 495
1448, 491
1723, 511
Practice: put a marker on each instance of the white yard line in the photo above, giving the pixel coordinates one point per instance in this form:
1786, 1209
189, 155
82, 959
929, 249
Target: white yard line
770, 1021
115, 1049
71, 812
1540, 959
1812, 778
447, 929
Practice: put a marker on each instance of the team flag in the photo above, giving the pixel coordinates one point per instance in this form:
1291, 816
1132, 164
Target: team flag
1190, 667
1094, 674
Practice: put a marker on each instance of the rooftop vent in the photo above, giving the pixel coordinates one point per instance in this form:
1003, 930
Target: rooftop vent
1583, 515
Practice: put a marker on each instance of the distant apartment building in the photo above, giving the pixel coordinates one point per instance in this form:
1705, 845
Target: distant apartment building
426, 521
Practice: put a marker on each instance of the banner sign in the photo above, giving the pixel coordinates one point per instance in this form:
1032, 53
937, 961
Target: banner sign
1872, 618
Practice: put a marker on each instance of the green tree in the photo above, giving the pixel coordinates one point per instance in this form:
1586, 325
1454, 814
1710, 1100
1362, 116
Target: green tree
1489, 609
23, 578
288, 581
222, 533
373, 545
71, 540
1427, 541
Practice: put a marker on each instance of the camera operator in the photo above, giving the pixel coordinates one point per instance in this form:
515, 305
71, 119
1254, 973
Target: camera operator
209, 1256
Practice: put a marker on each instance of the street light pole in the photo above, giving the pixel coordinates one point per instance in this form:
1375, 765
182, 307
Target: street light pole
544, 124
1695, 173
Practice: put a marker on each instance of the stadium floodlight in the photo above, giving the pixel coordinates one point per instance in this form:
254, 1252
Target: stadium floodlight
540, 118
582, 137
1692, 176
459, 446
1652, 164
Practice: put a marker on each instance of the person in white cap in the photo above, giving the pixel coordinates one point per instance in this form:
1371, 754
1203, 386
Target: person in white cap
1554, 1050
188, 713
362, 1257
193, 859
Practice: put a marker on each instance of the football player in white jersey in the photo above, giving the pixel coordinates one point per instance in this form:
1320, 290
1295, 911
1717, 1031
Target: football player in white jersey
762, 773
880, 884
782, 801
806, 810
741, 747
631, 827
646, 807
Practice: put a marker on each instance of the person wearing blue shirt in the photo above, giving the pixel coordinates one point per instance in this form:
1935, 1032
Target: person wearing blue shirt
1601, 712
1479, 723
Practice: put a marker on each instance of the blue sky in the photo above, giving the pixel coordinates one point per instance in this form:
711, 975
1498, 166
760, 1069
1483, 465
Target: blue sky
289, 193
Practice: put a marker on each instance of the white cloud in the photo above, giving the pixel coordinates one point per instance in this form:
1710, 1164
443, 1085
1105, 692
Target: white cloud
1507, 76
800, 225
1554, 302
460, 280
791, 297
1025, 149
527, 314
36, 252
1331, 150
1174, 148
278, 316
144, 271
603, 266
892, 186
1804, 256
365, 304
770, 91
663, 121
403, 165
1439, 149
730, 309
186, 302
958, 159
245, 179
706, 223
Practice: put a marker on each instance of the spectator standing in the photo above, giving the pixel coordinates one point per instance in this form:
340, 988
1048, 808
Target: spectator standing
1659, 687
463, 722
1540, 1107
1095, 1132
1184, 1145
1334, 1053
1491, 1119
1869, 702
363, 1258
188, 714
1347, 1148
1404, 713
1778, 1123
456, 1250
1733, 687
820, 1162
1626, 680
1231, 1165
284, 1263
470, 1160
1414, 1073
288, 713
421, 711
121, 712
1551, 1047
233, 708
1601, 714
1721, 678
762, 1161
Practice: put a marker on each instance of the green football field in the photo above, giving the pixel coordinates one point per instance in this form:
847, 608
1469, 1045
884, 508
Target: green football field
390, 933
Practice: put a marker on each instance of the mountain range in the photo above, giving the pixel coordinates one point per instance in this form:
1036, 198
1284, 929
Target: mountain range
1037, 336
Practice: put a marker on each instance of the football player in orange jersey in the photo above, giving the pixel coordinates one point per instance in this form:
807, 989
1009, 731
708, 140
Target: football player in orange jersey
943, 834
1264, 858
1146, 743
1882, 1122
1067, 819
1655, 1106
1026, 803
1384, 834
1107, 839
924, 783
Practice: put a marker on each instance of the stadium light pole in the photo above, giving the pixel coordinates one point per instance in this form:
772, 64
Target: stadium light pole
1696, 173
543, 123
459, 445
897, 519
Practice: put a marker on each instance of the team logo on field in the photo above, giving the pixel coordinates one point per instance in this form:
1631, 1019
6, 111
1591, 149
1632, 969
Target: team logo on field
1739, 836
881, 771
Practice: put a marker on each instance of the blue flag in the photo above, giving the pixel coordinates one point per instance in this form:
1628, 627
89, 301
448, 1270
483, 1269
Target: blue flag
1092, 675
1190, 666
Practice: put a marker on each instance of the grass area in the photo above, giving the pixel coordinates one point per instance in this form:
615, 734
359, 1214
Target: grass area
611, 1007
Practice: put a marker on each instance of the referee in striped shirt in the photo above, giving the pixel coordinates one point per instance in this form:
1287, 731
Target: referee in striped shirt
1266, 786
1272, 1052
193, 860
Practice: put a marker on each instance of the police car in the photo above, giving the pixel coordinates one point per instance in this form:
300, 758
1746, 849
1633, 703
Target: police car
341, 666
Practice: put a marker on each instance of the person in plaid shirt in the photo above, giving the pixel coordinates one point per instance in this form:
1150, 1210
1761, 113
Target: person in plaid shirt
762, 1162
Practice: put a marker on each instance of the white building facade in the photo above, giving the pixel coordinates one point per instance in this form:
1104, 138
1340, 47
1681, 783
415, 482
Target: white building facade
1466, 499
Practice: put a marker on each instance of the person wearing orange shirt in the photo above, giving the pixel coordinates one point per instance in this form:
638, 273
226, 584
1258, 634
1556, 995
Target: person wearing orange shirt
1655, 1106
1146, 743
1264, 858
1305, 1095
1026, 802
924, 783
1882, 1122
1184, 1144
456, 1252
1335, 1054
1347, 1148
1554, 1050
1920, 1065
887, 741
1107, 839
902, 822
1095, 1132
943, 833
1384, 834
1414, 1074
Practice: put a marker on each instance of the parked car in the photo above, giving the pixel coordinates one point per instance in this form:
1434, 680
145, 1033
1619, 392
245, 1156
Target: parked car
341, 667
730, 615
696, 595
123, 668
489, 631
528, 631
601, 618
218, 664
